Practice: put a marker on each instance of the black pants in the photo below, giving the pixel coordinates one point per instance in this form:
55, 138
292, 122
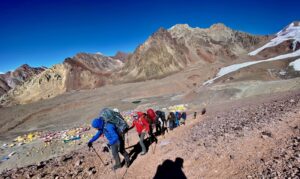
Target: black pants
158, 128
119, 147
152, 136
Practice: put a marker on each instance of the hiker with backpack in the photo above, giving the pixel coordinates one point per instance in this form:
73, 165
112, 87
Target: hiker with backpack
142, 128
182, 118
161, 119
114, 127
177, 118
171, 120
151, 116
110, 132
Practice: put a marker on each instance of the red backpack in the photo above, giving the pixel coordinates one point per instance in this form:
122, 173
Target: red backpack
151, 114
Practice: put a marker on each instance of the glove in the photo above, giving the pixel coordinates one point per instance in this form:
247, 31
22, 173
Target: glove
90, 144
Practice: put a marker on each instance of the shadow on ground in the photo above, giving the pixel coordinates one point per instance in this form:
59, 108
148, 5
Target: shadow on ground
170, 169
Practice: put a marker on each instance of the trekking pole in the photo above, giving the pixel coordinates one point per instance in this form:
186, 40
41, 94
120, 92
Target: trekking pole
124, 173
127, 139
105, 164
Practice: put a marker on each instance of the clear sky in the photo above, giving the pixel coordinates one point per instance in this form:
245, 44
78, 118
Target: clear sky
45, 32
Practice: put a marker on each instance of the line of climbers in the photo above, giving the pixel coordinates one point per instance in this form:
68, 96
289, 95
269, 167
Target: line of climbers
113, 126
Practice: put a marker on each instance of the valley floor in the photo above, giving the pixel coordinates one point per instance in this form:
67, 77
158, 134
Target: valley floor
250, 138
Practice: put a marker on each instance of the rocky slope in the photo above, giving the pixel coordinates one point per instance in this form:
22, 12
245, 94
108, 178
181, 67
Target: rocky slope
22, 74
252, 138
121, 56
83, 71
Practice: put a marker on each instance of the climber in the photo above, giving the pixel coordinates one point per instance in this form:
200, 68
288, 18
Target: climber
110, 132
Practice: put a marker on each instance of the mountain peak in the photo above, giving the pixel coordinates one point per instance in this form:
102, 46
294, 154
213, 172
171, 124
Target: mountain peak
180, 26
120, 56
295, 24
218, 26
293, 28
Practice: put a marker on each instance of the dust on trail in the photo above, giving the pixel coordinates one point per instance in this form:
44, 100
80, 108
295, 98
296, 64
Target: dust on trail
242, 140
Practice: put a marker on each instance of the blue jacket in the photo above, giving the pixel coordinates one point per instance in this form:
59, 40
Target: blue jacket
110, 132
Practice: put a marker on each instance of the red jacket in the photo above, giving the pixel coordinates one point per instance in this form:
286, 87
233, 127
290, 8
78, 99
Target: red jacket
141, 123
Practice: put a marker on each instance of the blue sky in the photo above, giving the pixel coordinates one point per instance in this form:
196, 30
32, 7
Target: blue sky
45, 32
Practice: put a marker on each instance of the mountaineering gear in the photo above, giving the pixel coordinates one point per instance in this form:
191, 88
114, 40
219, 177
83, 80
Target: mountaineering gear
115, 118
151, 115
99, 156
90, 144
161, 114
115, 167
109, 130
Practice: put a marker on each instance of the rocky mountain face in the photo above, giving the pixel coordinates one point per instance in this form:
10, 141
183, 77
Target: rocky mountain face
121, 56
159, 56
217, 43
83, 71
22, 74
276, 59
169, 51
285, 41
86, 71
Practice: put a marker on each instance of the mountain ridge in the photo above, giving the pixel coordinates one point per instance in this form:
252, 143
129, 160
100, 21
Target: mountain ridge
165, 52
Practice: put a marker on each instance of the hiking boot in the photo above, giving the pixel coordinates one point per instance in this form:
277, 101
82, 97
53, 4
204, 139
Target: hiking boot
127, 162
143, 153
115, 167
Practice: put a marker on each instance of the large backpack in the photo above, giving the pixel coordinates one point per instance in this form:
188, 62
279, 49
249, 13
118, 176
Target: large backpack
115, 118
161, 114
151, 114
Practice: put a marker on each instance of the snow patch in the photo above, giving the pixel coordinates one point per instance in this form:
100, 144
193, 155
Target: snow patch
292, 32
232, 68
282, 72
295, 64
99, 53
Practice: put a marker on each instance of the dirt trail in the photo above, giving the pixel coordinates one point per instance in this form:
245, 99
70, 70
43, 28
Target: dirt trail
243, 140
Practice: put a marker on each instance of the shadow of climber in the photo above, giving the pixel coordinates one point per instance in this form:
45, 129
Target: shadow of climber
170, 169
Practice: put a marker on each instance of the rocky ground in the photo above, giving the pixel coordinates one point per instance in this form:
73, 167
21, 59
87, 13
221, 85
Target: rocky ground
253, 138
